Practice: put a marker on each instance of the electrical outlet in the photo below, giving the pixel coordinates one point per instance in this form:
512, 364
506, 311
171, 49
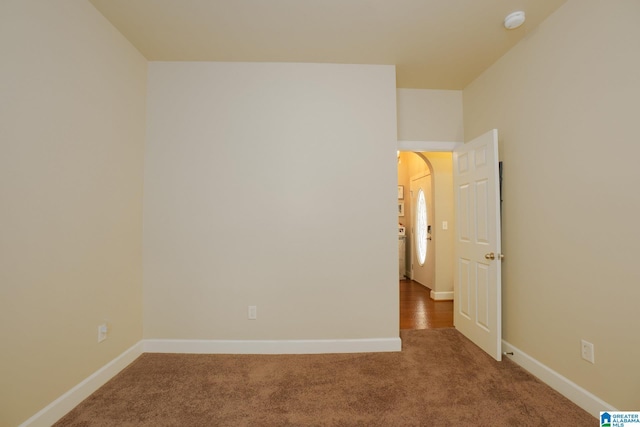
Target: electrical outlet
587, 351
253, 312
103, 330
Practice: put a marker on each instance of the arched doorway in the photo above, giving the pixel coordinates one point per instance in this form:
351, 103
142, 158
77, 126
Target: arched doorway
431, 266
415, 175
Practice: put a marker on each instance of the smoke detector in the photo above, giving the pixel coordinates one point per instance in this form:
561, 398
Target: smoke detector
514, 20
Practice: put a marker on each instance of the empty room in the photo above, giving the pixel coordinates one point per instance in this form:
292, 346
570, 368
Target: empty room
200, 201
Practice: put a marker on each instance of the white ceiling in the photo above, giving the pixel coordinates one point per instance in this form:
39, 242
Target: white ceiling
435, 44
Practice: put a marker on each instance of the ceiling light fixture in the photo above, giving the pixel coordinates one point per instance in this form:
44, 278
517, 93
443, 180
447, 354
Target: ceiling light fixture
514, 20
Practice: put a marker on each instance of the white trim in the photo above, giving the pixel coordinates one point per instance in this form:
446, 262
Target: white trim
428, 145
72, 398
65, 403
572, 391
441, 296
272, 346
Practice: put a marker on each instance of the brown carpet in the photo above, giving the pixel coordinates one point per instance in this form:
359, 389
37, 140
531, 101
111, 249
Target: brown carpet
439, 379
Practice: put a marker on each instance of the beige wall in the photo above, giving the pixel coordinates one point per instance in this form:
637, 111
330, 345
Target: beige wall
430, 115
565, 101
71, 137
270, 185
442, 176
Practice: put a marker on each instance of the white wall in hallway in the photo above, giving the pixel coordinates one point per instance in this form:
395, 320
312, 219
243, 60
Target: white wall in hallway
251, 198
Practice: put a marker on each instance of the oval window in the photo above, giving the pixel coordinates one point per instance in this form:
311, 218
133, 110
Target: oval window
421, 227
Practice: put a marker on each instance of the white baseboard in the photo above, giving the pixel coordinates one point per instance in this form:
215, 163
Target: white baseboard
581, 397
272, 346
441, 296
65, 403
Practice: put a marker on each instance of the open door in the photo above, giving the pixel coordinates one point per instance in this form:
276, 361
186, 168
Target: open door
478, 258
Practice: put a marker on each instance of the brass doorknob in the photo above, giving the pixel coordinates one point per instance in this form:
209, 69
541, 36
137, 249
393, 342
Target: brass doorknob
490, 255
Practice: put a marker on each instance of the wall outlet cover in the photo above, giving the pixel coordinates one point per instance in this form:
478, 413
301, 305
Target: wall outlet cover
587, 351
103, 330
253, 312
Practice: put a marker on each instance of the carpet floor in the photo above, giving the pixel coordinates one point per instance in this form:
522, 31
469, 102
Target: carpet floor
439, 379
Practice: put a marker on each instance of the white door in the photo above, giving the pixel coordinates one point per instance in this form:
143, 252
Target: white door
477, 268
422, 253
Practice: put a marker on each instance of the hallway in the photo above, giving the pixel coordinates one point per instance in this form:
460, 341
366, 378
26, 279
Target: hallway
419, 311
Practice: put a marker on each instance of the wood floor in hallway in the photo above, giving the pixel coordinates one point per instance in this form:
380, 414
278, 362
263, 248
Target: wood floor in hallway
419, 311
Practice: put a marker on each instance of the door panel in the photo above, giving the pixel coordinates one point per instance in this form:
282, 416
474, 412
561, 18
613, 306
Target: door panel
477, 276
482, 220
463, 217
482, 313
462, 299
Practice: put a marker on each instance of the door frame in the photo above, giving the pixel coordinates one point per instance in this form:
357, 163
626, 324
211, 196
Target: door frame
441, 146
404, 145
428, 146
